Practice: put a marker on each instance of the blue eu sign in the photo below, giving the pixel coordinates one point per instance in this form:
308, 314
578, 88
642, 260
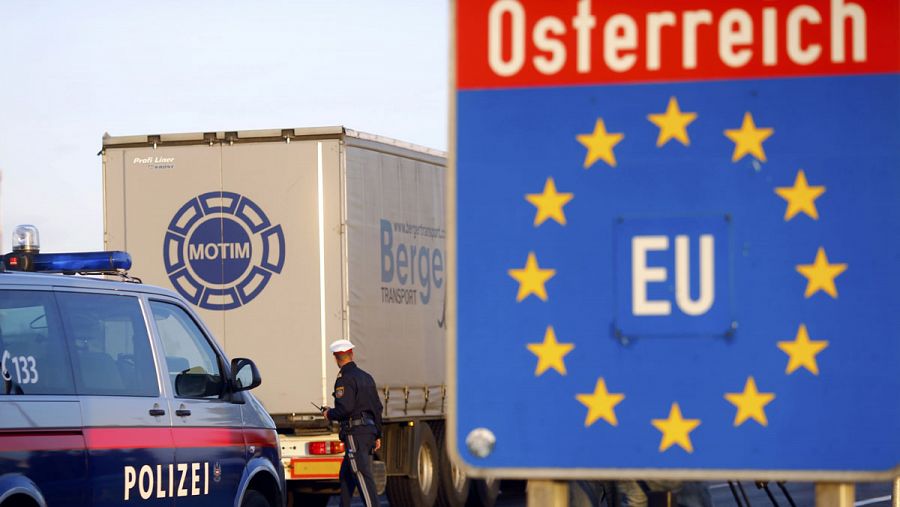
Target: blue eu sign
674, 251
221, 250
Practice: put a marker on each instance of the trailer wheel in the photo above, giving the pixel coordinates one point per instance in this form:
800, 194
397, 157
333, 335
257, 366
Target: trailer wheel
454, 485
422, 490
484, 493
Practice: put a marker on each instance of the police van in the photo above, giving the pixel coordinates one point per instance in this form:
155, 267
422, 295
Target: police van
115, 393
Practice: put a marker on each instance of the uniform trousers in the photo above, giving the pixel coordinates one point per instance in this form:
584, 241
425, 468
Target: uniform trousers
356, 469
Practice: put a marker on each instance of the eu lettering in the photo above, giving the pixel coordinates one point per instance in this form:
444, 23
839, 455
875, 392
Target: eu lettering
673, 276
644, 274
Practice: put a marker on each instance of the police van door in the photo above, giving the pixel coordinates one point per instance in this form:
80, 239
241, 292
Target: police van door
127, 424
207, 426
40, 416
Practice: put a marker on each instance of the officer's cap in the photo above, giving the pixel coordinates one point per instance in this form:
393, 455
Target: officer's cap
341, 346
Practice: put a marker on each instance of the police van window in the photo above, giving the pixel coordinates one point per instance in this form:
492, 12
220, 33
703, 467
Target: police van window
111, 352
193, 364
33, 356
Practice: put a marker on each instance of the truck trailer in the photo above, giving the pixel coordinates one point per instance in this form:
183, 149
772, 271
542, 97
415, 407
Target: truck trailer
286, 240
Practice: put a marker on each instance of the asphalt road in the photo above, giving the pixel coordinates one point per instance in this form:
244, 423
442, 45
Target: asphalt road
802, 493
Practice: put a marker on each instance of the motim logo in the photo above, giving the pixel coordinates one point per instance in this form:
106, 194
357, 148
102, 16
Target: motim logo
221, 250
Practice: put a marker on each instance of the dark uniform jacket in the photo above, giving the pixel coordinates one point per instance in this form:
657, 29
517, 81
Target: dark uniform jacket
355, 398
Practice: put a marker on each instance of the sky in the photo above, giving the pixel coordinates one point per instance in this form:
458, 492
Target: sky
71, 71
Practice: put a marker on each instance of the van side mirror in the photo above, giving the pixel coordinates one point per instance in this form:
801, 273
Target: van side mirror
244, 374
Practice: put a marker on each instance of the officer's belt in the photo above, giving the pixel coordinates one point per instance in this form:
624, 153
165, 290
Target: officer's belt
362, 421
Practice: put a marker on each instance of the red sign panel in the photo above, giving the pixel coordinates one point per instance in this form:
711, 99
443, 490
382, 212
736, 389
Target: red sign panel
509, 43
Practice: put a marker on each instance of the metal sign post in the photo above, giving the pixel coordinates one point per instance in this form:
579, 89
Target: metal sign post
895, 501
835, 494
548, 494
673, 239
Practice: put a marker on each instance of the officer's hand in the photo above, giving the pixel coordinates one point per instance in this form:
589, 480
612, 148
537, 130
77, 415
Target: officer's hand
377, 444
325, 413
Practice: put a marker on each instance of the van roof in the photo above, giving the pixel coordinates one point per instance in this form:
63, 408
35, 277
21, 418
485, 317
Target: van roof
8, 278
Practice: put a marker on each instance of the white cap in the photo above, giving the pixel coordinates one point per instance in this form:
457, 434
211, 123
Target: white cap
341, 346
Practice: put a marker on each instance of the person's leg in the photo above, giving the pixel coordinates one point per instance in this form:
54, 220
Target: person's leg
694, 494
348, 480
583, 494
361, 445
633, 493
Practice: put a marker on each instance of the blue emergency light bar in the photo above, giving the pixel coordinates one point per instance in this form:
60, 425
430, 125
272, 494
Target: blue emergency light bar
82, 262
26, 256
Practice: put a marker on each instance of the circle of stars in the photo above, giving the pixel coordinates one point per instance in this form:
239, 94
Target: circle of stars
750, 403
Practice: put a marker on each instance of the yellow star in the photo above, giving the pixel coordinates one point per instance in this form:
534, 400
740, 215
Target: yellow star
601, 404
550, 353
676, 429
672, 124
802, 352
549, 204
820, 275
600, 144
748, 139
800, 197
750, 403
531, 279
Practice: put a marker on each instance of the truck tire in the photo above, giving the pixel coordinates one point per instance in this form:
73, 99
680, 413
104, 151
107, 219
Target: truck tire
422, 490
453, 490
484, 493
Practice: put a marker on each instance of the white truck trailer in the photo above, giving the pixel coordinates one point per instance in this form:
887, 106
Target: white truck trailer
286, 240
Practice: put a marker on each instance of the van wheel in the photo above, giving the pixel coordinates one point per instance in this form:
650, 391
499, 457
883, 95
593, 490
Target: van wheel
253, 498
20, 501
454, 485
421, 491
484, 493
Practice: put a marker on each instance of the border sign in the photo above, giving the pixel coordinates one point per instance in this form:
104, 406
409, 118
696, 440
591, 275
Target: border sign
674, 235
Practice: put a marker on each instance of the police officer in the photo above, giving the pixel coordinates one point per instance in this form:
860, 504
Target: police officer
358, 410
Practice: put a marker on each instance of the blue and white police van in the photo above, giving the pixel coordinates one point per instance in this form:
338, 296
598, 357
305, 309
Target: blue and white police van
115, 393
